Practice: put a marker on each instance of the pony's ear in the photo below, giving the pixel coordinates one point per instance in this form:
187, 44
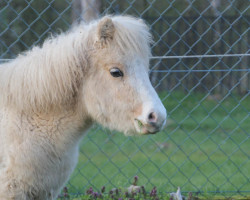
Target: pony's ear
106, 30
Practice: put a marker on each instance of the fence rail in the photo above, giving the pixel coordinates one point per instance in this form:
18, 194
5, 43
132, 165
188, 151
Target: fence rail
201, 72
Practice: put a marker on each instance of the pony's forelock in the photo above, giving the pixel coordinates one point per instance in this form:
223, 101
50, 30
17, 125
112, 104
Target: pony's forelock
132, 35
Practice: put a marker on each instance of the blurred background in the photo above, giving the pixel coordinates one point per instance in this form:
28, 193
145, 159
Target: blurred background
200, 69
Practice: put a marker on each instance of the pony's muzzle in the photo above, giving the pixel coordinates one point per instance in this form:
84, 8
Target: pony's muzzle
153, 123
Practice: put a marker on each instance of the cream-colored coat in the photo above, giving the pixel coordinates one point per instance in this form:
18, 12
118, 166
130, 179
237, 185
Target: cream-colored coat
52, 94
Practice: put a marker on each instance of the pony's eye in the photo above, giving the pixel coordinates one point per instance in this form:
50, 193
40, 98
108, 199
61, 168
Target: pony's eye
115, 72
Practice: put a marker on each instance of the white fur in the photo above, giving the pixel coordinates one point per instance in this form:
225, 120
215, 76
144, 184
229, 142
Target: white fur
52, 94
150, 99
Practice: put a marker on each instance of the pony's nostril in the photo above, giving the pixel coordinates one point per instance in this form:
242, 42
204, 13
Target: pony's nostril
152, 117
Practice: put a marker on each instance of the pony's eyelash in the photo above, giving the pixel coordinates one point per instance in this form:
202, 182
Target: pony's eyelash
116, 72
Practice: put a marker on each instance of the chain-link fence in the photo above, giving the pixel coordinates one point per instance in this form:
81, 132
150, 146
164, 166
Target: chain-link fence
201, 71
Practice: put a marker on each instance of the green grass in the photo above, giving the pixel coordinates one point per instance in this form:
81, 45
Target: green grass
205, 147
164, 197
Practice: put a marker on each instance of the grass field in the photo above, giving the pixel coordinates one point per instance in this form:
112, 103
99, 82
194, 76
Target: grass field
205, 148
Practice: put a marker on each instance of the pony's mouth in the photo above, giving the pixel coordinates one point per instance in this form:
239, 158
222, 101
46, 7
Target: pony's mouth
145, 129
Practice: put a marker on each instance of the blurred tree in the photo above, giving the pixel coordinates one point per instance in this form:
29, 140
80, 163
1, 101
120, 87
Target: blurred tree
86, 10
27, 23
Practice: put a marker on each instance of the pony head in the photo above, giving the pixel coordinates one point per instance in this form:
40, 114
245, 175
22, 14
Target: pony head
118, 93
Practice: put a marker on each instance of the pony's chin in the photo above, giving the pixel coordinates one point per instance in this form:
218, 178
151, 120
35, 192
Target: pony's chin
143, 129
135, 132
131, 133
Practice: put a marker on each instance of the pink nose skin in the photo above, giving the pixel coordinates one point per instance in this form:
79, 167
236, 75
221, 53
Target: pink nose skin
152, 118
153, 122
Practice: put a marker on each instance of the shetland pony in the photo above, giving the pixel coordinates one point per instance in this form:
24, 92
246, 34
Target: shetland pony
52, 94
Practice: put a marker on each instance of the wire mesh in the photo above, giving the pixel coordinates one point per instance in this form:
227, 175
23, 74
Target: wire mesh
200, 69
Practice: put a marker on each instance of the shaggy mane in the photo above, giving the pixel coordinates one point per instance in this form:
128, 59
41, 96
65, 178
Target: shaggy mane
50, 76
